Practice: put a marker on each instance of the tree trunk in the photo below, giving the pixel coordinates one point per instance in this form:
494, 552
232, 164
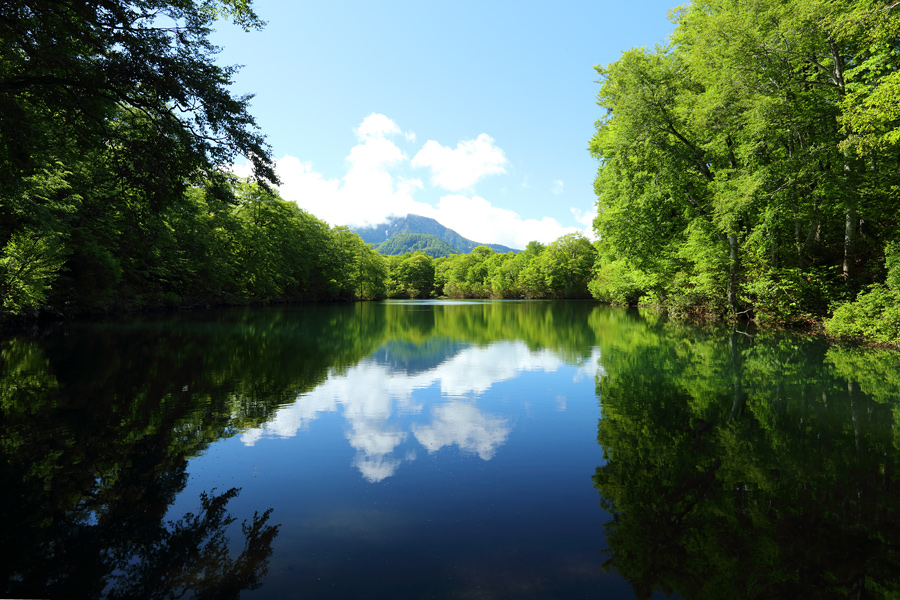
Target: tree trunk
851, 231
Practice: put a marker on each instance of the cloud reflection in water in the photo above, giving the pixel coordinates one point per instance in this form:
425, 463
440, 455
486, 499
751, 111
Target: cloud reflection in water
372, 394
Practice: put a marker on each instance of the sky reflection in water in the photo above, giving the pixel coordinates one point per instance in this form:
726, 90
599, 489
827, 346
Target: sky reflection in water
380, 403
432, 467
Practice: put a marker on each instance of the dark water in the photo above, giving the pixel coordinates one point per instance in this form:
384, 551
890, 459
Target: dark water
445, 450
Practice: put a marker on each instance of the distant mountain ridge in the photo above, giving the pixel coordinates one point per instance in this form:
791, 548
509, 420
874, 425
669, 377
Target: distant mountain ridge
400, 235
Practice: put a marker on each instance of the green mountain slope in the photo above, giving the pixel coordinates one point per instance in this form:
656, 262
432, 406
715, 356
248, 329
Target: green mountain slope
402, 243
414, 227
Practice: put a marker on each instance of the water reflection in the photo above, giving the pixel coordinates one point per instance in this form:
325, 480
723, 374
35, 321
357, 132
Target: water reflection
100, 422
461, 424
378, 399
742, 467
92, 459
736, 464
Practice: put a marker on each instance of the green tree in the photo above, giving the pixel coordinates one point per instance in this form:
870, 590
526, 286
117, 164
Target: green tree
411, 276
109, 113
67, 69
737, 174
567, 265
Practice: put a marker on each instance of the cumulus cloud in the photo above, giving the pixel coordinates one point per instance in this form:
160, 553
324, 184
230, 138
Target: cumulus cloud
376, 126
373, 188
461, 424
376, 468
459, 168
369, 192
477, 219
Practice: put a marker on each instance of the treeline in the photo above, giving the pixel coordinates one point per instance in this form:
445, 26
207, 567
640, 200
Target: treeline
240, 243
561, 269
115, 122
750, 167
104, 255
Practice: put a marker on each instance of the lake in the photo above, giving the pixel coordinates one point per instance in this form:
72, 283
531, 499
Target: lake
444, 449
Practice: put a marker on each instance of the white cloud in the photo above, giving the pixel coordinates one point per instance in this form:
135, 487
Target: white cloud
368, 193
372, 188
475, 218
586, 218
558, 187
376, 468
461, 424
460, 168
376, 126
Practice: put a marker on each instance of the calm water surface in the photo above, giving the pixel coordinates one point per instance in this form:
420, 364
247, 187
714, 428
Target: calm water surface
445, 450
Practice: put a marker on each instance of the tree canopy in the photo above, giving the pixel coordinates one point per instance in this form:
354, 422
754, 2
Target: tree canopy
76, 74
749, 165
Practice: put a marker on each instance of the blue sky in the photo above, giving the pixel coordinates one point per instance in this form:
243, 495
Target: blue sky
477, 114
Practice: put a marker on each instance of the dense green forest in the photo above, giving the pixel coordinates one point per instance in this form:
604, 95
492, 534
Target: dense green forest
751, 166
114, 124
558, 270
749, 169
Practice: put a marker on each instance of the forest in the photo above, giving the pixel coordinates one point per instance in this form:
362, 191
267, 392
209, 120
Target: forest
114, 126
747, 169
750, 166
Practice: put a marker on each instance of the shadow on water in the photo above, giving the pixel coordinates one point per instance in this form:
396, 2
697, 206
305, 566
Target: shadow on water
742, 466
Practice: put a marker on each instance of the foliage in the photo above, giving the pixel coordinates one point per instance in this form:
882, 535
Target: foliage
29, 263
560, 270
411, 276
875, 314
113, 115
749, 166
76, 72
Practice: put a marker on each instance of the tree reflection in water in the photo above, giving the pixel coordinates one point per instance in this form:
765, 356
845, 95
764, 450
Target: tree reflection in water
92, 459
751, 468
193, 555
99, 420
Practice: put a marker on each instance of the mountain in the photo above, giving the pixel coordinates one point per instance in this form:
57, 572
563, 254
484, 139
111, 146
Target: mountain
414, 232
402, 243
